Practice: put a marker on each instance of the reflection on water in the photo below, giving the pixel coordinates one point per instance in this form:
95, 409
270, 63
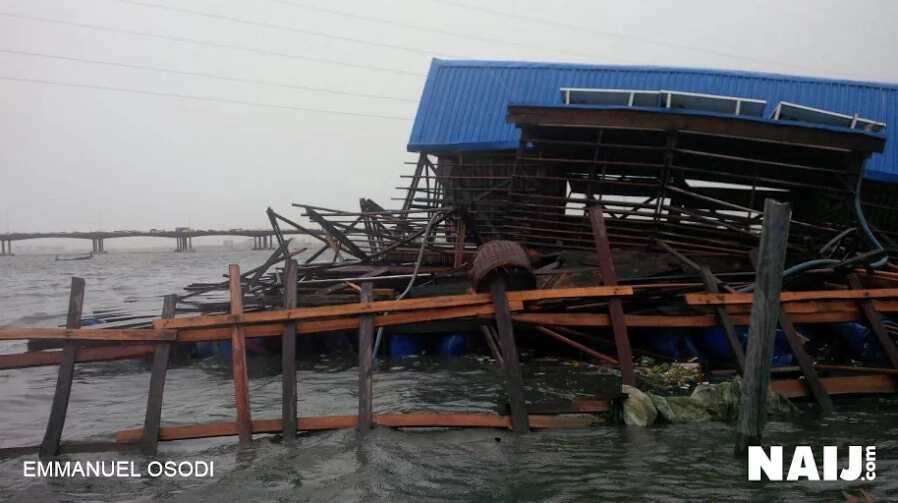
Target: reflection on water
606, 463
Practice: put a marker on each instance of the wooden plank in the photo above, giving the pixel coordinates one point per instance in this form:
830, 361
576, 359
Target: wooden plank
576, 345
288, 357
88, 334
725, 321
710, 299
341, 324
806, 364
238, 361
84, 355
762, 329
391, 306
875, 320
366, 339
615, 306
318, 423
514, 382
842, 385
153, 417
53, 435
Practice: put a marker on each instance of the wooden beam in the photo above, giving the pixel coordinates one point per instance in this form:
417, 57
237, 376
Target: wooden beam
366, 339
153, 416
53, 435
842, 385
288, 357
83, 355
875, 320
514, 382
405, 420
712, 299
88, 334
576, 345
238, 361
343, 324
615, 306
806, 364
726, 322
391, 306
762, 329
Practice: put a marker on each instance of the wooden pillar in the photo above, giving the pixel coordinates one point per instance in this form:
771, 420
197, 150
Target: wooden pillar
514, 382
366, 338
615, 306
161, 355
53, 436
875, 320
238, 361
765, 310
288, 357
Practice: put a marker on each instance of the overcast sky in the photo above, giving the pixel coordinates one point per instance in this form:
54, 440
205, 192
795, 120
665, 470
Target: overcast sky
106, 122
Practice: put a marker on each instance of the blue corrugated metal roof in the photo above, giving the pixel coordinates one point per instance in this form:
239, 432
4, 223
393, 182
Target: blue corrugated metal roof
464, 102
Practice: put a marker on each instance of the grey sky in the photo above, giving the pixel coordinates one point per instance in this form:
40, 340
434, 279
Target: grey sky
76, 158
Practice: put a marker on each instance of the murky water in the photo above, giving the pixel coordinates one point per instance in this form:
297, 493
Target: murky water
606, 463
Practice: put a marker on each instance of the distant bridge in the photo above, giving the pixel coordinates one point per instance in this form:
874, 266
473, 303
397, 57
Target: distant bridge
262, 238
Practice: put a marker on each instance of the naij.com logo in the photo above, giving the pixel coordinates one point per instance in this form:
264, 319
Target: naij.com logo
860, 463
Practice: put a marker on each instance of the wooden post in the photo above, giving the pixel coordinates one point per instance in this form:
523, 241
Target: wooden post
161, 355
53, 435
288, 357
238, 362
460, 231
514, 383
875, 320
806, 364
765, 310
366, 338
728, 327
615, 306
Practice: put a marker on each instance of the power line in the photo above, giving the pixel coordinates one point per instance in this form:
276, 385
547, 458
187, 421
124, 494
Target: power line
218, 45
626, 36
448, 33
261, 24
199, 98
206, 75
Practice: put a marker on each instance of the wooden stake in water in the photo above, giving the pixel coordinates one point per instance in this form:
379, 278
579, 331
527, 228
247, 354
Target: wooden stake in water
288, 356
238, 362
53, 435
366, 338
765, 311
153, 418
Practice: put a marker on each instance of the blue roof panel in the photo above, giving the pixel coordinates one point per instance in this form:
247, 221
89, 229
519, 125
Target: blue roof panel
464, 102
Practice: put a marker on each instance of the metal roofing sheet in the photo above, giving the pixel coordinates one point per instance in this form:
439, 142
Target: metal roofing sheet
463, 104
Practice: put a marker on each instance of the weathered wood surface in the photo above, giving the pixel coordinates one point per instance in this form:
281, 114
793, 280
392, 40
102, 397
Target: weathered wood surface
238, 361
762, 329
288, 357
366, 340
514, 382
615, 307
83, 355
714, 298
391, 306
56, 423
405, 420
153, 417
